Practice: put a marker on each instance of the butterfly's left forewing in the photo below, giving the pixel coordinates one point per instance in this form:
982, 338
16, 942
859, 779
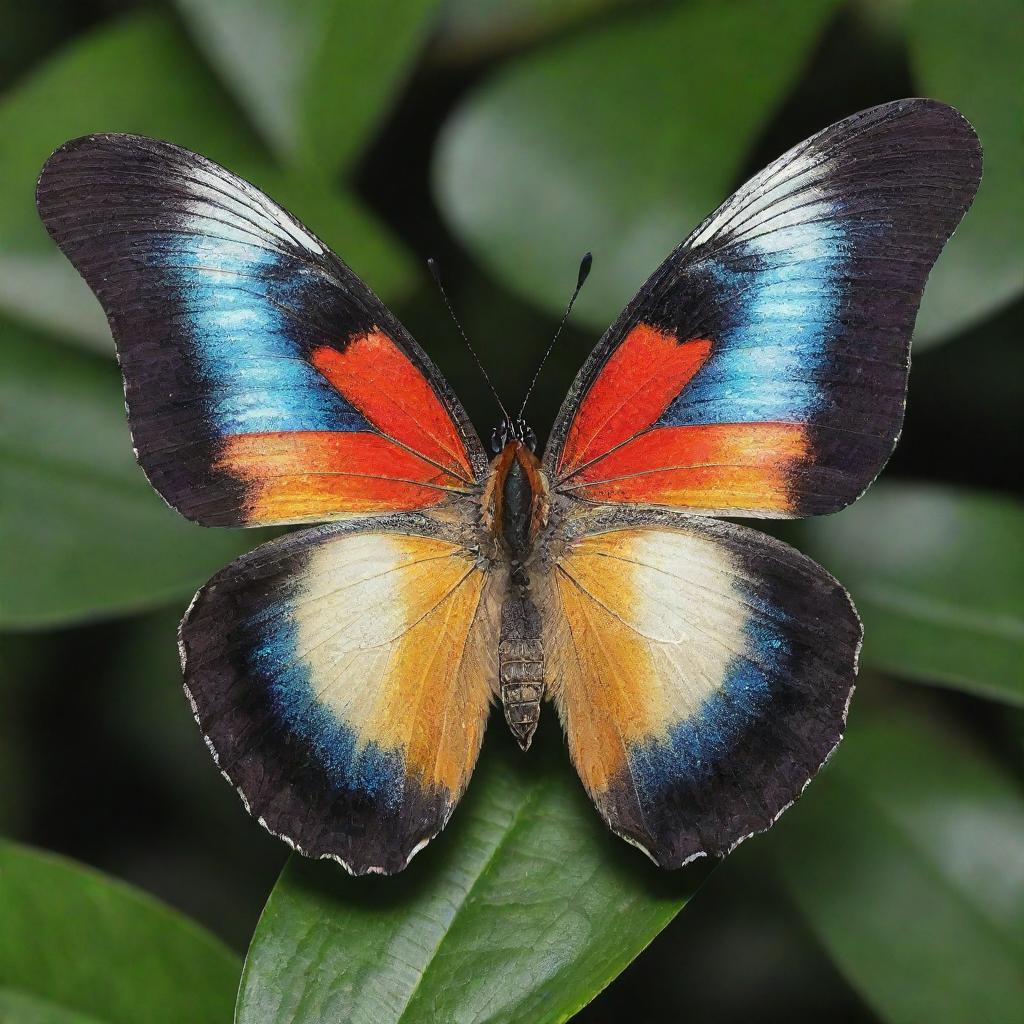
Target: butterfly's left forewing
264, 382
342, 677
703, 674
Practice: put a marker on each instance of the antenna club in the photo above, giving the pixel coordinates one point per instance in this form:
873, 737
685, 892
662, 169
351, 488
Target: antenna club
585, 264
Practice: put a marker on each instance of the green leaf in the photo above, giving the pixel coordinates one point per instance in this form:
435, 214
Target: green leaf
619, 140
16, 1008
95, 946
140, 74
29, 31
316, 76
521, 912
937, 574
969, 55
472, 29
84, 535
905, 859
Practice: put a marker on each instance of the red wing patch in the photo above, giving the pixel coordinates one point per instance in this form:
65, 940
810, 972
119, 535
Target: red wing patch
374, 376
411, 457
617, 450
642, 376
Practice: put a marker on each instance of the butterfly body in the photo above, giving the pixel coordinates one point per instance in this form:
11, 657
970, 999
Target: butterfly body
515, 509
342, 675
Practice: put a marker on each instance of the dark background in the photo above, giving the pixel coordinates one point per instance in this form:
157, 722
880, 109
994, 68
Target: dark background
100, 758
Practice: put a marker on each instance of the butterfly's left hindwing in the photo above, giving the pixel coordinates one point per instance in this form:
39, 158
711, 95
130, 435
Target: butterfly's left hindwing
703, 674
342, 677
265, 383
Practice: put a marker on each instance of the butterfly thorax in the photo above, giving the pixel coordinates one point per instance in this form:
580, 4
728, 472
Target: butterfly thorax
515, 500
515, 508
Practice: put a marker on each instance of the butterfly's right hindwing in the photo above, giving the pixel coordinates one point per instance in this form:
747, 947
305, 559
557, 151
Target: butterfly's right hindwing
342, 677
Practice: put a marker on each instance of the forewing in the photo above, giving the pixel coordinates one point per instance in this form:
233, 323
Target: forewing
703, 673
762, 369
341, 677
265, 383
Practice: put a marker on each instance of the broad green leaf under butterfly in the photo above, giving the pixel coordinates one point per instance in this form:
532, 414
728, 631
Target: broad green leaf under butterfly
316, 76
84, 535
98, 950
905, 859
521, 911
937, 574
619, 140
141, 74
969, 55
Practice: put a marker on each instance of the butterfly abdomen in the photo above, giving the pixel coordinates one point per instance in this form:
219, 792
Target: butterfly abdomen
521, 666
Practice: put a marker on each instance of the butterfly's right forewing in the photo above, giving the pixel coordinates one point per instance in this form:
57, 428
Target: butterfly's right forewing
762, 369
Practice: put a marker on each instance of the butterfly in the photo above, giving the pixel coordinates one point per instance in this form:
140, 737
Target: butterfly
342, 674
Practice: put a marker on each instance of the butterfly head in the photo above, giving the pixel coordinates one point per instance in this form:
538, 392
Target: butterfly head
512, 430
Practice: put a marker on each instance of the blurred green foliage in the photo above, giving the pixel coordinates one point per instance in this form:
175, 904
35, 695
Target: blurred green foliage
616, 143
140, 74
937, 574
906, 863
83, 942
506, 138
87, 536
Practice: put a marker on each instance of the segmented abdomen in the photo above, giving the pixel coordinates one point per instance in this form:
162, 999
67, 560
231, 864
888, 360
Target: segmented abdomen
521, 667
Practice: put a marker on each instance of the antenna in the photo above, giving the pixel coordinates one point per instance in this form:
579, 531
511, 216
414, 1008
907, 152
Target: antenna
436, 274
585, 265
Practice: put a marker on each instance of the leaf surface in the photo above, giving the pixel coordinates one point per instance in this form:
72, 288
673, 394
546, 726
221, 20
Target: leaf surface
521, 912
618, 140
315, 76
937, 574
906, 860
96, 948
84, 534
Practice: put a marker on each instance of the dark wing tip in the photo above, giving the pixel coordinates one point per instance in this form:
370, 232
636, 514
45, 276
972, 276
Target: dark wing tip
935, 114
54, 162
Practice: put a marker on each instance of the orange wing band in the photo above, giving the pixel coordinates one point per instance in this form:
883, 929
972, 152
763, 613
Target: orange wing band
714, 467
309, 475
